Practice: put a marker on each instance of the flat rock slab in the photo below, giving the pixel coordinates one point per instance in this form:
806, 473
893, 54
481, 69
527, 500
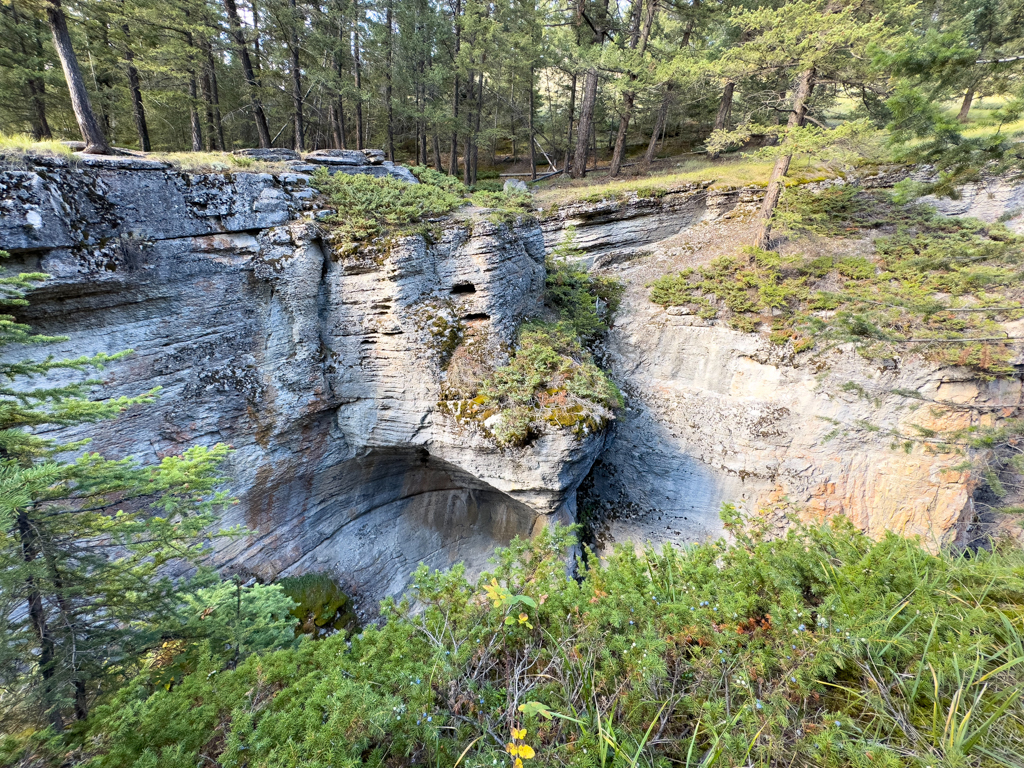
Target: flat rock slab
269, 155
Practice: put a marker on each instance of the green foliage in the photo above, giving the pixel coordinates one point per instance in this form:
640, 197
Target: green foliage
944, 283
368, 206
550, 378
84, 544
582, 299
820, 648
321, 606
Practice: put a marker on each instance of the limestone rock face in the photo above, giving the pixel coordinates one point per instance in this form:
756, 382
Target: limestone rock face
323, 371
714, 415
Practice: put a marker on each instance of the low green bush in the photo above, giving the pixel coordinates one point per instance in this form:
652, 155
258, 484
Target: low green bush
822, 648
946, 283
551, 377
585, 300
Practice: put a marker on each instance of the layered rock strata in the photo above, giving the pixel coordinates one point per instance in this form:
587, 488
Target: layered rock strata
323, 372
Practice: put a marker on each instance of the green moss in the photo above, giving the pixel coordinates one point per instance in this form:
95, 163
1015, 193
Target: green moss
322, 606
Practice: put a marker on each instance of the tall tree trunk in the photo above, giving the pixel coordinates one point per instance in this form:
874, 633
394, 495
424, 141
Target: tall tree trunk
479, 112
207, 89
638, 40
453, 161
211, 93
804, 87
28, 537
583, 129
359, 88
572, 115
388, 74
724, 111
36, 85
965, 106
95, 141
533, 133
135, 89
293, 50
437, 153
262, 128
659, 126
193, 113
193, 94
467, 139
725, 107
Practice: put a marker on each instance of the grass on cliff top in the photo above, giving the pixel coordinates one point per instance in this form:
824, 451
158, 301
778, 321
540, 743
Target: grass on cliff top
368, 207
823, 648
936, 286
731, 171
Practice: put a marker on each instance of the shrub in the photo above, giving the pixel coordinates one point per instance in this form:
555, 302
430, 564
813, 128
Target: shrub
550, 374
820, 648
584, 300
368, 206
933, 278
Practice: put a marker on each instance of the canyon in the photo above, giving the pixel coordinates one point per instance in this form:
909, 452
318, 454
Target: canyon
325, 372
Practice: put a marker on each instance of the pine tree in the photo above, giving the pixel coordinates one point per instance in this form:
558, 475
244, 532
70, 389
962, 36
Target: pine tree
84, 543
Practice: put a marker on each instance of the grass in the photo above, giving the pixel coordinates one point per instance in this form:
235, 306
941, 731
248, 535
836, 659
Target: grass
217, 162
823, 648
729, 172
934, 286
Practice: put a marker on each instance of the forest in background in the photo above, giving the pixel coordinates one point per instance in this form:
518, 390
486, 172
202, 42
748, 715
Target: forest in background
465, 84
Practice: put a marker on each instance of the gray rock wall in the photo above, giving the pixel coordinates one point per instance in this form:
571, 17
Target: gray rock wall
323, 371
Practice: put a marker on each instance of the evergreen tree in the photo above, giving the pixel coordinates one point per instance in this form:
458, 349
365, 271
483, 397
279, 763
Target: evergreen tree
84, 543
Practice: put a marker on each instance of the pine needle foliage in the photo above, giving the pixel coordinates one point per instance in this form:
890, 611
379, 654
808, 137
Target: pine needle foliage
822, 648
83, 540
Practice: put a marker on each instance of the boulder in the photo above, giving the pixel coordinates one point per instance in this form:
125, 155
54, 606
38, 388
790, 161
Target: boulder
336, 157
514, 185
272, 155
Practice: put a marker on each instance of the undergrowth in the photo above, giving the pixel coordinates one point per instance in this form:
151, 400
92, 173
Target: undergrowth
823, 648
368, 207
936, 286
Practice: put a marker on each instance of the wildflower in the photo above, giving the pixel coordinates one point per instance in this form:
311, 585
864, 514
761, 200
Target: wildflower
802, 627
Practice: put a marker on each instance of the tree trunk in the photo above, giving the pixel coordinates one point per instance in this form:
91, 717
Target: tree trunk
533, 133
211, 72
388, 74
37, 617
359, 90
659, 126
262, 128
437, 152
36, 85
725, 107
206, 88
479, 112
293, 50
638, 39
135, 89
572, 115
965, 107
579, 163
724, 111
193, 113
805, 84
95, 141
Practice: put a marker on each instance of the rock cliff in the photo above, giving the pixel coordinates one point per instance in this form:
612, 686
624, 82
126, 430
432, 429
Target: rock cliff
322, 371
715, 415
